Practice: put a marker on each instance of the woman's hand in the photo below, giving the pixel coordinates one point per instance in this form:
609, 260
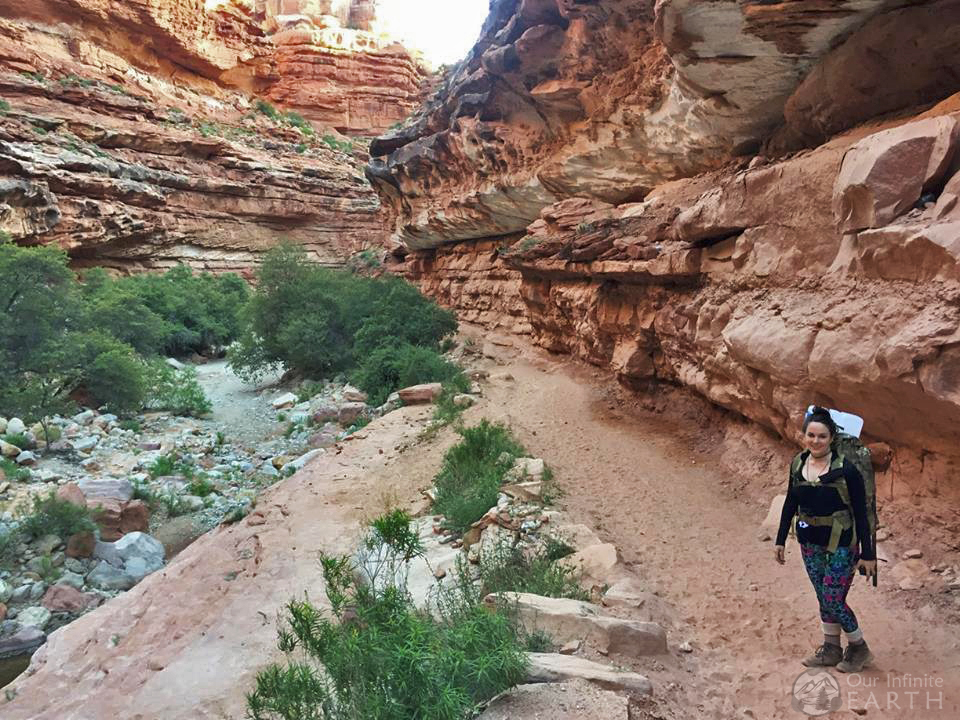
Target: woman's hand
868, 566
778, 553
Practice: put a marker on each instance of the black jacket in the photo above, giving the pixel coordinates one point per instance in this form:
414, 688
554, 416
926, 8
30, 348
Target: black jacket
824, 499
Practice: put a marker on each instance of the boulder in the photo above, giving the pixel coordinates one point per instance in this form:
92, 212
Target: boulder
300, 462
107, 577
71, 579
352, 394
107, 552
594, 563
140, 545
135, 516
420, 394
64, 598
462, 400
324, 412
3, 425
554, 667
15, 426
107, 488
23, 642
72, 493
883, 175
26, 458
81, 544
322, 440
284, 401
85, 444
565, 620
349, 412
46, 544
8, 450
5, 591
106, 512
3, 612
37, 617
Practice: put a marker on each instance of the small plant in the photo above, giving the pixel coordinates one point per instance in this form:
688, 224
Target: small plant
506, 568
208, 129
586, 227
299, 122
472, 472
301, 148
35, 76
309, 390
39, 129
13, 472
221, 438
267, 109
342, 145
51, 515
143, 491
201, 487
47, 571
281, 417
537, 641
171, 464
10, 539
174, 504
20, 440
74, 80
4, 107
130, 425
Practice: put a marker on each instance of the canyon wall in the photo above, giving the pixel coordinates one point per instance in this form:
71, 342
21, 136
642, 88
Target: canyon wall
138, 135
745, 199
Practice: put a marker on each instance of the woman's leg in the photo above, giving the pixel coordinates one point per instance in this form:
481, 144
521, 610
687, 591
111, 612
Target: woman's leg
816, 561
837, 579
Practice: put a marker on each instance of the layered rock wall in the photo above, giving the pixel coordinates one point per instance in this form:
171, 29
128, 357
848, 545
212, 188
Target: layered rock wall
128, 170
674, 234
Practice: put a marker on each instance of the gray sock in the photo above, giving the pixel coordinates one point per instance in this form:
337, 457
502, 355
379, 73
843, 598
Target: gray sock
831, 640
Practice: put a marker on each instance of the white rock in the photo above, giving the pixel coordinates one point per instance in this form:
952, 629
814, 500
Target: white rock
140, 545
15, 426
37, 617
26, 458
3, 425
175, 364
352, 394
5, 591
553, 667
85, 417
284, 401
86, 444
301, 461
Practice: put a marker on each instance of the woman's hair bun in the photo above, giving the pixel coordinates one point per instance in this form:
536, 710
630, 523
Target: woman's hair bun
822, 416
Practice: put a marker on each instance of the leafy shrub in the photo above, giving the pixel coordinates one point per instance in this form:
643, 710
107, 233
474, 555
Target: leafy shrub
174, 504
342, 145
506, 568
176, 391
301, 123
389, 368
51, 515
4, 107
171, 464
381, 658
143, 491
472, 472
350, 317
132, 425
115, 375
10, 538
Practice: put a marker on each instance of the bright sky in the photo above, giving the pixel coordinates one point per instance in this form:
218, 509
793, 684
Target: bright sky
444, 30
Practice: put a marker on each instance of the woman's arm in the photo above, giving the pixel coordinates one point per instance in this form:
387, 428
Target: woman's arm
786, 515
858, 498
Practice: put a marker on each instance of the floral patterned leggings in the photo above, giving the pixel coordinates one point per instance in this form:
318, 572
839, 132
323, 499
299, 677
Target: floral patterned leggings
832, 575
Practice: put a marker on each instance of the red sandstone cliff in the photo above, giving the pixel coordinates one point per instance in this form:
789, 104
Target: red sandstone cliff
124, 138
623, 181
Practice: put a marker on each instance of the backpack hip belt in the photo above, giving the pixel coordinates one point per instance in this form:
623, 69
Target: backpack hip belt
839, 521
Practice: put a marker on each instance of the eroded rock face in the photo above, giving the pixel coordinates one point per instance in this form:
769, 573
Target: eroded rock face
607, 100
754, 287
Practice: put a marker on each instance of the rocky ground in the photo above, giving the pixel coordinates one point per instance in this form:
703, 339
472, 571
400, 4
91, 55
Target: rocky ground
154, 484
669, 538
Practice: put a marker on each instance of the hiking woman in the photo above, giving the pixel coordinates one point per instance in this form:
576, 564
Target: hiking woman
826, 493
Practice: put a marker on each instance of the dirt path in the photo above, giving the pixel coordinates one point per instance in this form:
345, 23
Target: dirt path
649, 487
241, 409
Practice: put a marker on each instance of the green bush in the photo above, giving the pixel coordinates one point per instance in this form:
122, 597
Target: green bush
472, 472
176, 391
171, 464
301, 123
380, 658
201, 487
350, 317
267, 109
115, 376
51, 515
391, 367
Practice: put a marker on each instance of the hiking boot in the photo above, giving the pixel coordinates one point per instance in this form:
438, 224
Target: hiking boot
827, 655
855, 657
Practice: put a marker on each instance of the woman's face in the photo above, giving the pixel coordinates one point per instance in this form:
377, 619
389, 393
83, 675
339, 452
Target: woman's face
817, 438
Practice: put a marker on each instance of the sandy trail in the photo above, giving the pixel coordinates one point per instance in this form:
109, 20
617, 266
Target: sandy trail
681, 522
242, 410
